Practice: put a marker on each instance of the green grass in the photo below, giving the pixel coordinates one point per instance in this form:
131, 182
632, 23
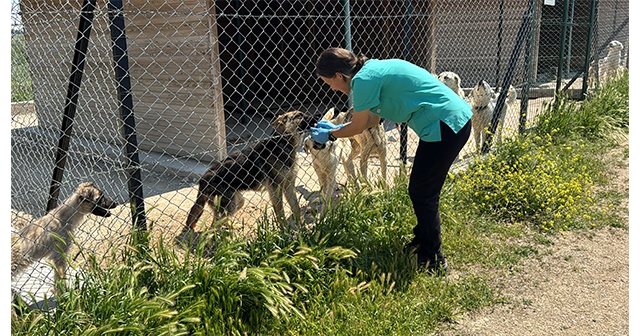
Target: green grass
21, 85
349, 275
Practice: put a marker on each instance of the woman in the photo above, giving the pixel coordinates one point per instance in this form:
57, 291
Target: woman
400, 91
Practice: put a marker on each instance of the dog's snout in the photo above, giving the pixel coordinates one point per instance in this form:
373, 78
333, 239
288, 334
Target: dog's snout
102, 206
108, 203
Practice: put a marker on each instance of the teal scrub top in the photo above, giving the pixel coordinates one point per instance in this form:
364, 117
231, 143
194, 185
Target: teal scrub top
401, 91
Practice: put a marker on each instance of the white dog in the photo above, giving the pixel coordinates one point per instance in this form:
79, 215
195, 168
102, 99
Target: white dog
452, 80
512, 95
483, 103
610, 66
325, 161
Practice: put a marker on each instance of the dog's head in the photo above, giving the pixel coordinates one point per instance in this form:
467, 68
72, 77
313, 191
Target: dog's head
615, 46
512, 94
292, 122
482, 94
99, 204
450, 79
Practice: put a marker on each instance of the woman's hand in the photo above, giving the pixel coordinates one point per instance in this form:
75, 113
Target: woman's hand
320, 135
326, 124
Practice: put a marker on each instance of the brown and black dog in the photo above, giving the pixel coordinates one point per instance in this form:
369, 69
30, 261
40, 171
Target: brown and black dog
270, 163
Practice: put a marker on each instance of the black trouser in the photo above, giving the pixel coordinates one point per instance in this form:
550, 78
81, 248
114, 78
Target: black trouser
430, 167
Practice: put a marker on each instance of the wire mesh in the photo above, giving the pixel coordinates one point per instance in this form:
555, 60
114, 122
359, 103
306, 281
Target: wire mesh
209, 77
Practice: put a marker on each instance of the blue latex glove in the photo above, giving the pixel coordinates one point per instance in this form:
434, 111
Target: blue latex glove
326, 124
320, 135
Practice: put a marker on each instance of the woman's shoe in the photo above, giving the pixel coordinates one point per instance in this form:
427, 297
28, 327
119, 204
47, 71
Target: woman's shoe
436, 264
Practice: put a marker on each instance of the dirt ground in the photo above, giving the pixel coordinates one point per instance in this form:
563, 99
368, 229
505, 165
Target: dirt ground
580, 286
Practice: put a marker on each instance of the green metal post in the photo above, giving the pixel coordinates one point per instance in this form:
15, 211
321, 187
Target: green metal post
565, 15
587, 56
524, 93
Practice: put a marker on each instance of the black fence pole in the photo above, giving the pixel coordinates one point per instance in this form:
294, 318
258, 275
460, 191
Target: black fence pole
71, 102
522, 32
406, 54
119, 39
524, 93
499, 57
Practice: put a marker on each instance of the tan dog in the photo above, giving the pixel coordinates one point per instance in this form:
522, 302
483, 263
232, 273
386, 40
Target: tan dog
325, 161
371, 142
270, 163
50, 236
452, 80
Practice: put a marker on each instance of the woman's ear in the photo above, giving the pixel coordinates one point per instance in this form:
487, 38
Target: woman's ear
342, 77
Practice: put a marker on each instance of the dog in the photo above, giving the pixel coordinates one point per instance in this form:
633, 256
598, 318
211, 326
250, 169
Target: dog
511, 99
483, 102
270, 163
50, 236
371, 142
452, 80
325, 161
512, 95
609, 67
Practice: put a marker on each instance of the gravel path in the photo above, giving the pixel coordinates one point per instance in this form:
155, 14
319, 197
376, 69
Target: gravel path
580, 286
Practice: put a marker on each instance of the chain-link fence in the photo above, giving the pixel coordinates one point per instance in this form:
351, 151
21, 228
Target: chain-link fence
142, 97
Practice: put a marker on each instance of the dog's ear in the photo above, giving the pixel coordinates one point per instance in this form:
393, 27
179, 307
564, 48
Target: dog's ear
329, 114
88, 191
307, 144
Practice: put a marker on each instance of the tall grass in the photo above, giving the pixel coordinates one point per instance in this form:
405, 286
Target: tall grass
21, 84
604, 115
348, 274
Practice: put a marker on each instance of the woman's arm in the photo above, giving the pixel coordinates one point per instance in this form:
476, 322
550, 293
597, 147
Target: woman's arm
360, 122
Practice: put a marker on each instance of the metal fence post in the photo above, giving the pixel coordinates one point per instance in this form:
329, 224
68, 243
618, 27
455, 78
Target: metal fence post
524, 93
121, 60
71, 102
563, 37
404, 136
515, 53
346, 11
587, 54
498, 56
